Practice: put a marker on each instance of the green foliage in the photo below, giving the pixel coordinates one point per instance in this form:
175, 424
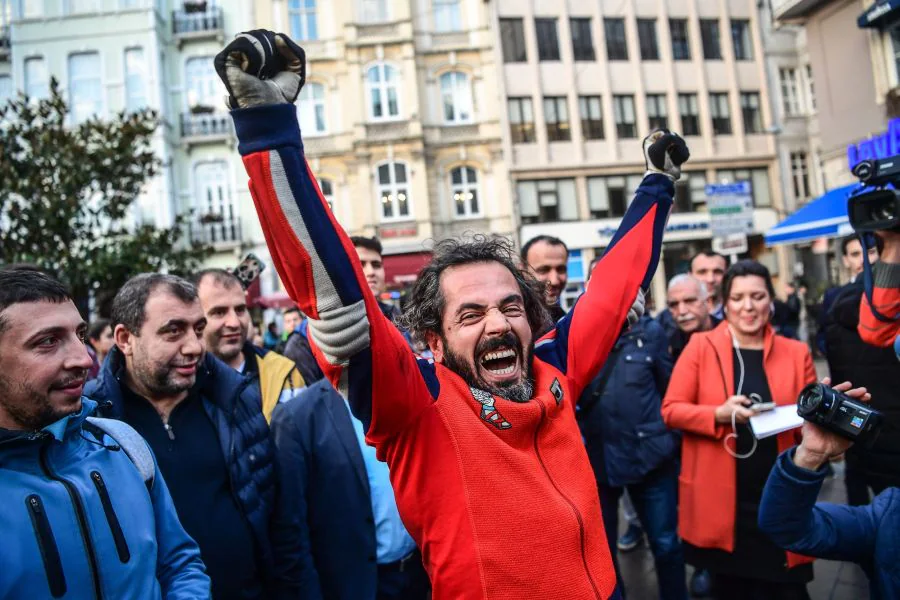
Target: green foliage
67, 196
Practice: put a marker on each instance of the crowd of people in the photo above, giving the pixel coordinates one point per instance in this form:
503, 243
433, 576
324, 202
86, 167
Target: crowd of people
475, 445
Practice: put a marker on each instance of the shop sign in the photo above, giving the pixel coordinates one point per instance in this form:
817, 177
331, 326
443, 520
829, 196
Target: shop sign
730, 208
388, 232
883, 145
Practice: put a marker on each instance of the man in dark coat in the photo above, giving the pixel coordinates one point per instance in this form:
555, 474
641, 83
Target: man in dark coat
204, 423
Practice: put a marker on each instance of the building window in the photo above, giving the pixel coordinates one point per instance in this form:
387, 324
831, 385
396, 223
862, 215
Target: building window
759, 183
751, 113
82, 6
203, 87
547, 200
556, 114
214, 203
811, 87
623, 108
135, 79
582, 39
690, 114
456, 95
681, 41
720, 112
800, 175
393, 191
85, 89
37, 80
790, 93
616, 43
384, 100
374, 11
709, 34
29, 9
740, 36
512, 37
657, 112
608, 196
547, 39
591, 111
464, 187
447, 16
311, 109
690, 190
647, 39
6, 89
521, 120
302, 18
326, 186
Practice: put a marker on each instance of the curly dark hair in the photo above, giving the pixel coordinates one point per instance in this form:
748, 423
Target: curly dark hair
425, 307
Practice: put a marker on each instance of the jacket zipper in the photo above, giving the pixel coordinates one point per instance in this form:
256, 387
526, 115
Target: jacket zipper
47, 545
114, 526
82, 522
571, 504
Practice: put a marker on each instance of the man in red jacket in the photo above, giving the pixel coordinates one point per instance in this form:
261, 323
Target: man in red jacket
487, 463
885, 297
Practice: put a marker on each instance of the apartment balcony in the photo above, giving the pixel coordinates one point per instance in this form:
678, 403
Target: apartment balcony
454, 134
5, 43
325, 145
206, 127
451, 40
795, 10
388, 131
216, 230
379, 33
198, 23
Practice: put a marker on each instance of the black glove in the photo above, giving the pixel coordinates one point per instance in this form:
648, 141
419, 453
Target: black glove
261, 67
665, 152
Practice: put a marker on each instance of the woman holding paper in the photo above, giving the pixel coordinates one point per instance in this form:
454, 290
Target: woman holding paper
723, 379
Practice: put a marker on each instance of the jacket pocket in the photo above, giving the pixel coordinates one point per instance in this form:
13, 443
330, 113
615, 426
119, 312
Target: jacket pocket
114, 526
656, 444
47, 545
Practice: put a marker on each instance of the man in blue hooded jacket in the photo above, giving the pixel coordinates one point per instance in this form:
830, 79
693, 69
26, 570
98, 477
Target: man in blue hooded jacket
79, 519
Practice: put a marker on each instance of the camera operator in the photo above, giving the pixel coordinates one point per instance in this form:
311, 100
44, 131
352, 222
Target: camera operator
885, 295
789, 514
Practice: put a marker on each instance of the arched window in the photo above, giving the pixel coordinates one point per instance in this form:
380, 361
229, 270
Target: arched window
456, 96
311, 109
464, 188
393, 191
382, 92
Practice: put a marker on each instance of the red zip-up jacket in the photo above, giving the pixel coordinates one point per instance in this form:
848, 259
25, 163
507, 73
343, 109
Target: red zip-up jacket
886, 298
499, 495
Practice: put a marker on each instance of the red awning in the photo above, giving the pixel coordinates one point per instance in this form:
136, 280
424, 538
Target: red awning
276, 300
400, 270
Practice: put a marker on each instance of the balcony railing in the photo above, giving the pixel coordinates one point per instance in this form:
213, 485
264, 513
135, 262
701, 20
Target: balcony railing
5, 42
792, 10
212, 231
206, 127
387, 130
198, 24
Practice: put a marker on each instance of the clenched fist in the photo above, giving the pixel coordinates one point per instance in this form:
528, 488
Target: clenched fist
261, 67
665, 152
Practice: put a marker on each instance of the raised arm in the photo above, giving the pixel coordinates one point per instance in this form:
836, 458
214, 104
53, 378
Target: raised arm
358, 349
583, 338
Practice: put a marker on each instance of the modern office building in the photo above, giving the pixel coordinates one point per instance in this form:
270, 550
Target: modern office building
584, 82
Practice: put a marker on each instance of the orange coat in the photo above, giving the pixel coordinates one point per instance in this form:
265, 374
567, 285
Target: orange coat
702, 380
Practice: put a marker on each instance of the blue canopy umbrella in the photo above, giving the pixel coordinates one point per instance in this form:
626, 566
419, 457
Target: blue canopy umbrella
826, 216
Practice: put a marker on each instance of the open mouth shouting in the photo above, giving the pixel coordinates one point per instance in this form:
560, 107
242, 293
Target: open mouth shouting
501, 365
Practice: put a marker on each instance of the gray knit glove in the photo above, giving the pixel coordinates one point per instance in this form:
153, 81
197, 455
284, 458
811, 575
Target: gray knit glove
261, 67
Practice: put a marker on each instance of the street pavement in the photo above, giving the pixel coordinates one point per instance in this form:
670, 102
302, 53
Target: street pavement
833, 580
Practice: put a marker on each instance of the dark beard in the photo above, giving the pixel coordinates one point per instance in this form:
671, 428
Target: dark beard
38, 412
158, 381
519, 391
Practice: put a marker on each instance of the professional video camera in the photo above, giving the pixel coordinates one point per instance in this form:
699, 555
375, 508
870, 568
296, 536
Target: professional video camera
877, 209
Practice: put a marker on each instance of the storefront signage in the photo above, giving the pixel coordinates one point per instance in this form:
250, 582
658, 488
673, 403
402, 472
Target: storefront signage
703, 225
398, 231
883, 145
730, 208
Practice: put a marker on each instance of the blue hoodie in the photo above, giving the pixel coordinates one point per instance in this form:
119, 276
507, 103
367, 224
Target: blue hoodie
79, 522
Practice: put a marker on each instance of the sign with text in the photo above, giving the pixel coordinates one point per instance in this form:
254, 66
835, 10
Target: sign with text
731, 245
730, 208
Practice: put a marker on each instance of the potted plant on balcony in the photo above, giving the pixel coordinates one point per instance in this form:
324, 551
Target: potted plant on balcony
202, 109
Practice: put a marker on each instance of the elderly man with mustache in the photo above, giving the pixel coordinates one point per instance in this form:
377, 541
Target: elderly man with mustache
688, 301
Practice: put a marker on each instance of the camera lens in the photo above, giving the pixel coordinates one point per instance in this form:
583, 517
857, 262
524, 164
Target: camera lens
885, 212
809, 400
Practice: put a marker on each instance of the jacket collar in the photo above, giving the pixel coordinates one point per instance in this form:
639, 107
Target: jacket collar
58, 430
216, 383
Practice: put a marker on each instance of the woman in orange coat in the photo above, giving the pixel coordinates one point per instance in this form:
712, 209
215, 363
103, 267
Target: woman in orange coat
718, 378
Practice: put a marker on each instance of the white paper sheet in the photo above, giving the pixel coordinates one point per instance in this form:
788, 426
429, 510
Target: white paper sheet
773, 422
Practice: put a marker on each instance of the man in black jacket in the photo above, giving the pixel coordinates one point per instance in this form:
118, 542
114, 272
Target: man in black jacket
205, 424
851, 359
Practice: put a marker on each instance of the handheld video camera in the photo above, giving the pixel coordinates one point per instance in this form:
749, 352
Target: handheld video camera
878, 209
838, 413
